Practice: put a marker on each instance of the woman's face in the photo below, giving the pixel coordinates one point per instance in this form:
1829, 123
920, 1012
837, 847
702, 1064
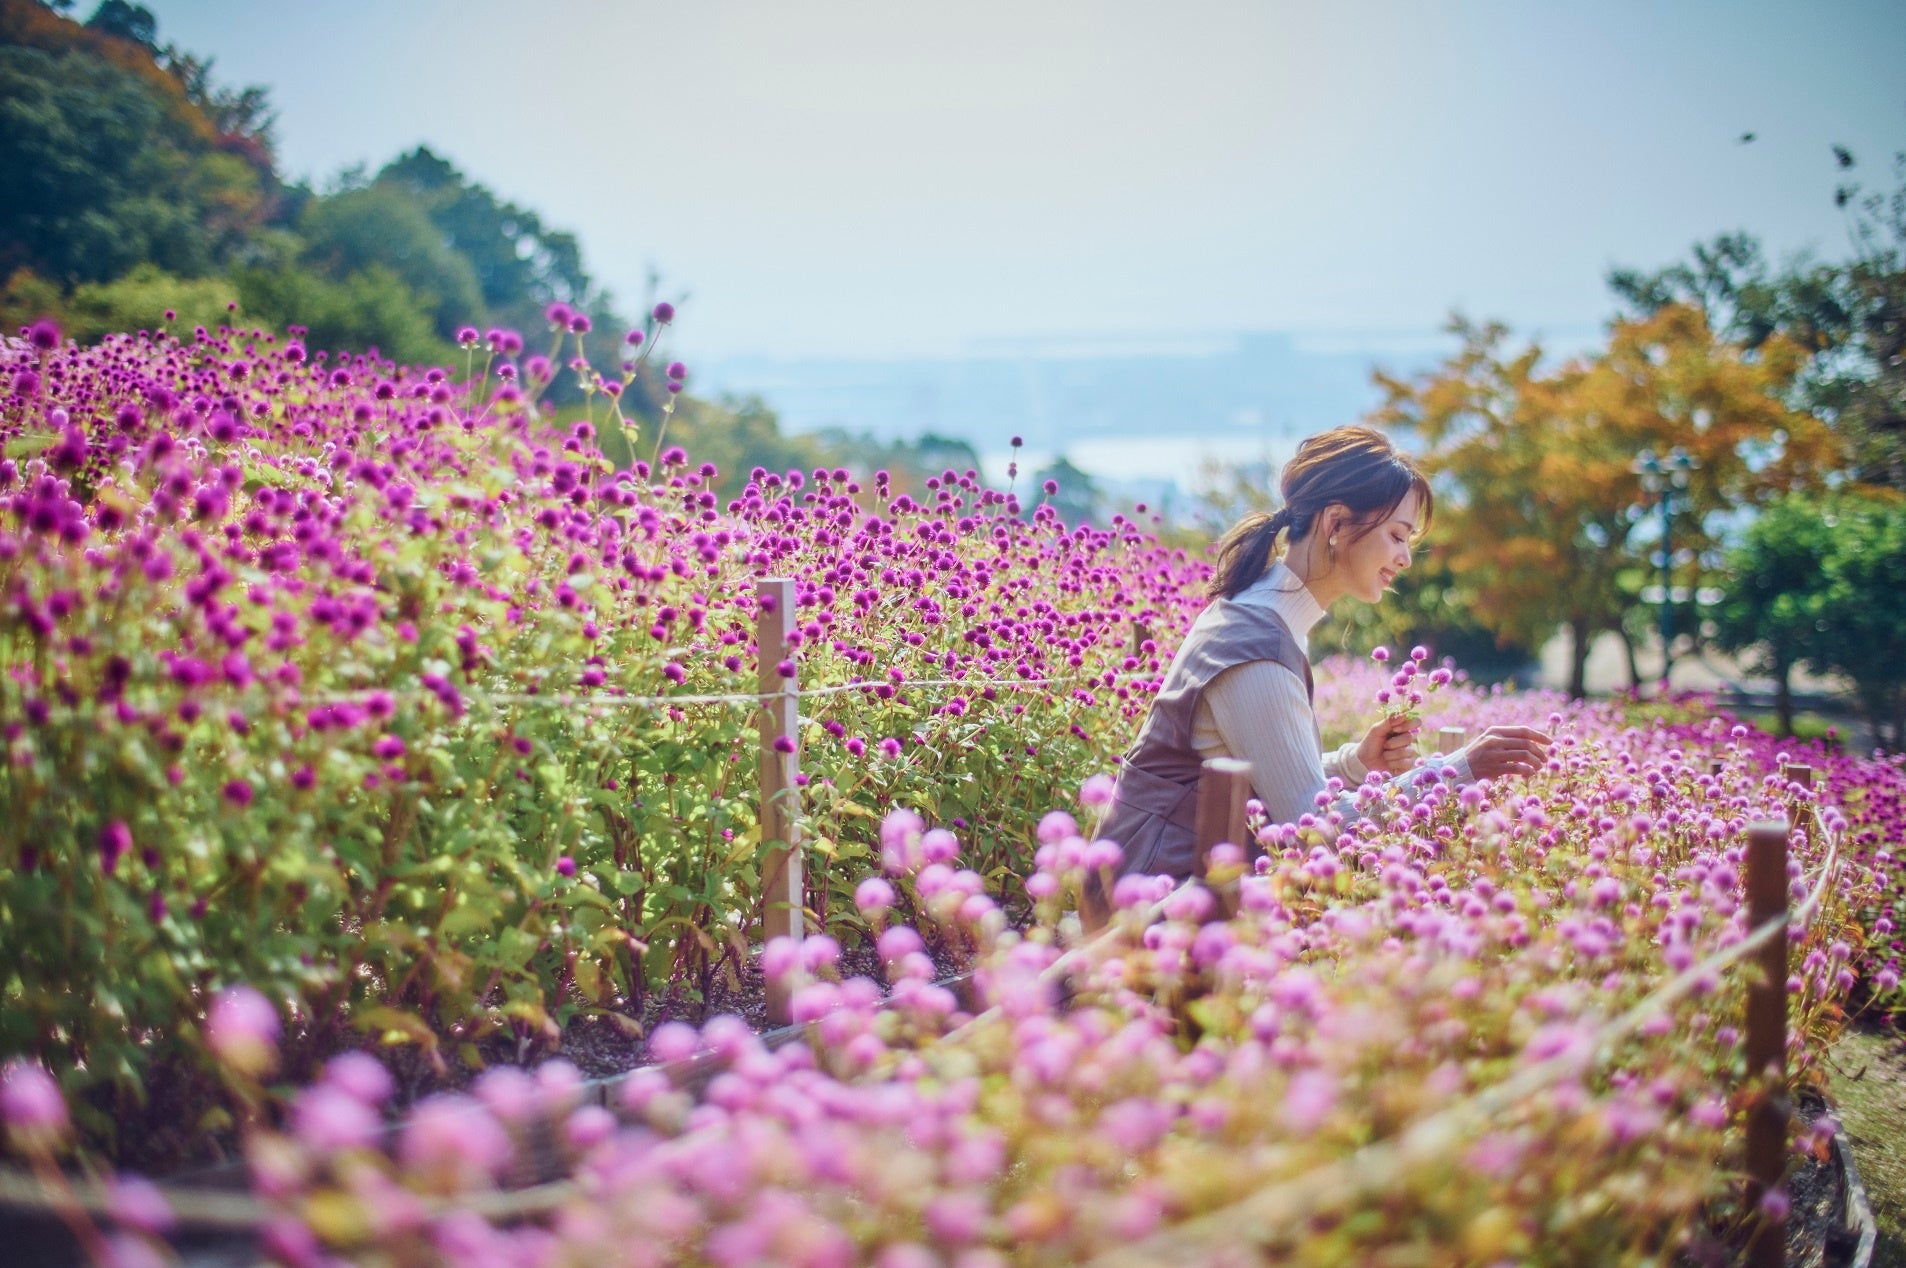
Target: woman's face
1372, 562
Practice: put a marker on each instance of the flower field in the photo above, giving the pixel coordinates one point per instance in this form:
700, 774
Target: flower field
354, 706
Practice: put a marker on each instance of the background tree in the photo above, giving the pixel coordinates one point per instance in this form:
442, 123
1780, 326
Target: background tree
1862, 629
1078, 498
361, 229
1537, 496
1849, 316
1775, 595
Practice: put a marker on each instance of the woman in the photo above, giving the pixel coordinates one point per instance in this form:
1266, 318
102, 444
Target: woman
1240, 684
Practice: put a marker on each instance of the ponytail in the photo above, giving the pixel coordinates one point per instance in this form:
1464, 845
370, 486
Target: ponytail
1245, 552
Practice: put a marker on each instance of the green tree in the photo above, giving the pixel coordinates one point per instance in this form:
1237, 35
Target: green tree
1538, 500
1077, 499
1775, 594
101, 177
1849, 315
357, 230
1864, 606
363, 310
136, 301
132, 22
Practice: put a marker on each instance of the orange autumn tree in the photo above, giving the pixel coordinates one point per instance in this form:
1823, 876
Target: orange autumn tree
1539, 507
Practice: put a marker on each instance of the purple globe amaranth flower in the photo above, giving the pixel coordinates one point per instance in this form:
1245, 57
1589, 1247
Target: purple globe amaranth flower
241, 1029
137, 1203
565, 866
239, 792
780, 957
663, 313
673, 1041
326, 1119
509, 1092
43, 335
114, 840
31, 1107
451, 1144
588, 1127
360, 1075
873, 895
676, 370
1097, 791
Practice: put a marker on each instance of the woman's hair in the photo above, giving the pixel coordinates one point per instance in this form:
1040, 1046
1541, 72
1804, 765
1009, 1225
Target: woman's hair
1354, 466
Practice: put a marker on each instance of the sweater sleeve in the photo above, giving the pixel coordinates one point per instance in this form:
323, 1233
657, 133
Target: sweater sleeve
1259, 713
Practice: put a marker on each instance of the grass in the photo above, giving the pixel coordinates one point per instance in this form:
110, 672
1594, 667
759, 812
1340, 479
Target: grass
1869, 1092
1807, 725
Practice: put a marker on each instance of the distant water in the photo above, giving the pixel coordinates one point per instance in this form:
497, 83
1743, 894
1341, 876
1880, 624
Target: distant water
1140, 416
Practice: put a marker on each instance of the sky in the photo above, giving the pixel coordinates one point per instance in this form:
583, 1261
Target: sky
877, 178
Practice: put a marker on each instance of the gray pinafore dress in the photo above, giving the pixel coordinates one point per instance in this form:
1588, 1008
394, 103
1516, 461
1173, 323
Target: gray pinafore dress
1154, 809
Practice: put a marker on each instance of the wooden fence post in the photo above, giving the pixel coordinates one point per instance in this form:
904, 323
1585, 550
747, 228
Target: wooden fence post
1767, 900
1224, 785
783, 883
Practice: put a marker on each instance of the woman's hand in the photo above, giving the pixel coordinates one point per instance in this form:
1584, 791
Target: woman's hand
1390, 746
1507, 750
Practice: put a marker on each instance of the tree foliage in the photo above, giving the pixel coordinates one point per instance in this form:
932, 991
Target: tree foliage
1538, 501
1822, 582
1849, 316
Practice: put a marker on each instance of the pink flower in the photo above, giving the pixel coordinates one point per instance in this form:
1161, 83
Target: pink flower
873, 895
673, 1041
508, 1092
1097, 791
452, 1143
781, 956
241, 1029
956, 1217
1308, 1101
136, 1202
1056, 826
900, 835
588, 1127
939, 846
361, 1075
897, 941
32, 1107
327, 1119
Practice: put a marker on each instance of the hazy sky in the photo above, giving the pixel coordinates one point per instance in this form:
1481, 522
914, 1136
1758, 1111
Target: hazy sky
892, 178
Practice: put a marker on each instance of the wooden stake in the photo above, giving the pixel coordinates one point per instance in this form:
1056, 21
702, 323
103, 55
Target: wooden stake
783, 882
1767, 1038
1223, 788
